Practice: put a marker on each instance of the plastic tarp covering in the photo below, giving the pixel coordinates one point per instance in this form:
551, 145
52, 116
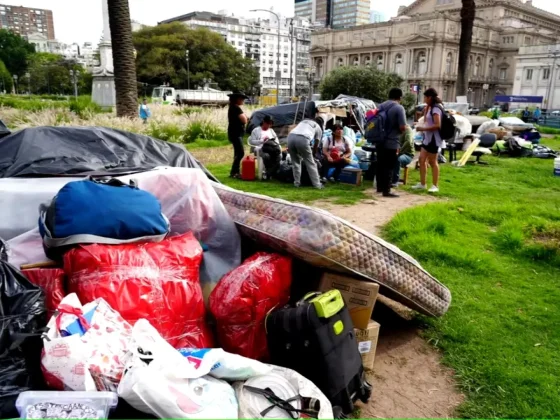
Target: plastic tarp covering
22, 315
44, 151
4, 131
187, 199
243, 298
283, 115
153, 281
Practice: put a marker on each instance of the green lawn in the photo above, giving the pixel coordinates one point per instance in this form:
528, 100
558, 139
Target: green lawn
496, 244
337, 193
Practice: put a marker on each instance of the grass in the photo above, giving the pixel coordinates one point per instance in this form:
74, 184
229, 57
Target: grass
337, 193
495, 242
548, 130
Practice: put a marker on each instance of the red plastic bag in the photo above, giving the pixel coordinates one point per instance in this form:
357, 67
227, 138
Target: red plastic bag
51, 280
156, 281
243, 298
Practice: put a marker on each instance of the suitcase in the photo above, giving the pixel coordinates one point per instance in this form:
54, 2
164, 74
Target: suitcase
316, 339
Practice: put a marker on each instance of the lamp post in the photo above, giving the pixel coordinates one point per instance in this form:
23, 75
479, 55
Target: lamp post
15, 83
28, 75
277, 53
310, 74
188, 71
74, 74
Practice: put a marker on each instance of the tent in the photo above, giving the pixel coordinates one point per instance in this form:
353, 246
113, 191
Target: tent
4, 131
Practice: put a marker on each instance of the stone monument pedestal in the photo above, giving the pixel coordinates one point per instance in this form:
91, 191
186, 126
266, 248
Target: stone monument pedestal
103, 91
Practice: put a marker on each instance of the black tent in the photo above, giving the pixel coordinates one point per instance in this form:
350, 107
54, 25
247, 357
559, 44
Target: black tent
4, 131
283, 115
59, 151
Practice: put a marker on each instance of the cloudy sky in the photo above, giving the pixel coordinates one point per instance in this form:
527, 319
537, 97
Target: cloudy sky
81, 20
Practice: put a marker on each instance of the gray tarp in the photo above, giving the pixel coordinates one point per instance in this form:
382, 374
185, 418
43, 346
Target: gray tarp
55, 151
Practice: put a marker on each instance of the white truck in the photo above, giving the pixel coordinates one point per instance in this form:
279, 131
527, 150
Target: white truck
170, 96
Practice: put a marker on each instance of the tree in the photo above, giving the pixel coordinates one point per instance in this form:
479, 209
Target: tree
14, 52
468, 12
162, 58
5, 78
123, 58
365, 82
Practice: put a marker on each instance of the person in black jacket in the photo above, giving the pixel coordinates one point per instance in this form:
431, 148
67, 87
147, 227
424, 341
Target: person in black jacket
236, 129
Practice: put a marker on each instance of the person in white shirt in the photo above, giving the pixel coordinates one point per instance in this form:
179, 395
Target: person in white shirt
337, 150
300, 139
262, 134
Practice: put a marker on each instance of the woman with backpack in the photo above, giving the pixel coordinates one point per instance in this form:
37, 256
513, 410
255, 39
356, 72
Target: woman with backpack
433, 114
337, 151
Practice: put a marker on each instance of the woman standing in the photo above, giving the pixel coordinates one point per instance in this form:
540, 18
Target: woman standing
336, 153
236, 129
432, 140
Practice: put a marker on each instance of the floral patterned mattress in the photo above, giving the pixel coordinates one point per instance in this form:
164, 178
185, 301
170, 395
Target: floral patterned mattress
327, 241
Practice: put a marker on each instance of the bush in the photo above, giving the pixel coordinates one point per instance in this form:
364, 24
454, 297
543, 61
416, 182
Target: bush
83, 106
203, 130
188, 110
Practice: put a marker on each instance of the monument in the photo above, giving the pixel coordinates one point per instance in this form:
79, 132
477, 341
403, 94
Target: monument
103, 89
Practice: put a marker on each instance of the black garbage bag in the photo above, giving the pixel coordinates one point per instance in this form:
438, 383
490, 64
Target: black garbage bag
4, 131
22, 318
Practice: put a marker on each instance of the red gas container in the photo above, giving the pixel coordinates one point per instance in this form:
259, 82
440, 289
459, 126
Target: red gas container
248, 167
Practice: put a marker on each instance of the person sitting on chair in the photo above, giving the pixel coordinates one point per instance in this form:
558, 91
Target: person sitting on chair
262, 134
337, 151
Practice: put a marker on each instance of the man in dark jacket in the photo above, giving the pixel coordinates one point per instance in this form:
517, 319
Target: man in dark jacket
388, 150
236, 129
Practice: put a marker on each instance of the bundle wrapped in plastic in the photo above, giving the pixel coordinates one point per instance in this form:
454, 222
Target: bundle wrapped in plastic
156, 281
162, 382
243, 298
86, 347
51, 280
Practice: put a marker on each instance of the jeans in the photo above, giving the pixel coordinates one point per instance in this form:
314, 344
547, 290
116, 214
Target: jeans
402, 161
300, 151
238, 153
386, 161
338, 167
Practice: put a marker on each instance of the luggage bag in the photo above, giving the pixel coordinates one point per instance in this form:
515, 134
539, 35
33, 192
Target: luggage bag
316, 339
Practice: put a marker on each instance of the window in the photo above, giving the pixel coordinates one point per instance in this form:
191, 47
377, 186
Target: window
356, 61
340, 62
449, 63
398, 64
529, 74
367, 61
421, 63
491, 68
503, 74
477, 67
379, 62
546, 74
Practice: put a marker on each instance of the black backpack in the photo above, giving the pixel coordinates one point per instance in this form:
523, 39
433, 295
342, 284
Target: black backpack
376, 127
448, 122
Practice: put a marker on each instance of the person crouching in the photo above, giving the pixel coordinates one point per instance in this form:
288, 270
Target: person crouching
308, 132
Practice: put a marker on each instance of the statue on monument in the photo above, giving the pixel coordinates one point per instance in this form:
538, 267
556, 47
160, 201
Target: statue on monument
103, 90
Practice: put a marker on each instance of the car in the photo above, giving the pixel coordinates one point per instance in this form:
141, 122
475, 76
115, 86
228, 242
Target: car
555, 113
474, 111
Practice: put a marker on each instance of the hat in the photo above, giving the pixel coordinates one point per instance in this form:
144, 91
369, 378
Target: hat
236, 95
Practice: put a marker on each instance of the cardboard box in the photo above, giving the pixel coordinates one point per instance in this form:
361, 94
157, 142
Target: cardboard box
367, 343
360, 296
351, 176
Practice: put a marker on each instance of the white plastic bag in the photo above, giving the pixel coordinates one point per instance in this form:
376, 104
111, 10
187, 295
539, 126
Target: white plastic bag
162, 382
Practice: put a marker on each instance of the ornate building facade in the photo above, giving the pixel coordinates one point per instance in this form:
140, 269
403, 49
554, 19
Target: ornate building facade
422, 43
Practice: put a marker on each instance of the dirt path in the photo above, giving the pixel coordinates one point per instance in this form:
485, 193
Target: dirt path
408, 380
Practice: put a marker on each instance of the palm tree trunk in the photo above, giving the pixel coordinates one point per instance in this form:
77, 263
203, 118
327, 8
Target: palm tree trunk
123, 58
468, 12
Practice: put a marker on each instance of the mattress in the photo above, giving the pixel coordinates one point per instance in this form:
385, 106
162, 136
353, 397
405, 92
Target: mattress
326, 241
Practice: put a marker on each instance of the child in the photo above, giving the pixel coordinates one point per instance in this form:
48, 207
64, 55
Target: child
145, 111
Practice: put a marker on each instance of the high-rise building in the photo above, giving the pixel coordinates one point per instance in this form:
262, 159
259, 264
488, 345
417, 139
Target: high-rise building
376, 17
25, 20
257, 39
334, 13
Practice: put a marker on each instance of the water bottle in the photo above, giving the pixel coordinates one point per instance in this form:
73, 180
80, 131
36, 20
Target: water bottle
557, 166
358, 137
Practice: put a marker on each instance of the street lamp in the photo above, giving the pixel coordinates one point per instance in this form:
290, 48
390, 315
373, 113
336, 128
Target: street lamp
188, 71
15, 82
310, 75
74, 74
277, 53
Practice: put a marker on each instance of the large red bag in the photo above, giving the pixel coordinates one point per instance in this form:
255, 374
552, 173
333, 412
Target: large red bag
156, 281
243, 298
51, 280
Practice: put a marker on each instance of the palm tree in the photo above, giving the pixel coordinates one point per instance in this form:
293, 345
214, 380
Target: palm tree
123, 58
468, 12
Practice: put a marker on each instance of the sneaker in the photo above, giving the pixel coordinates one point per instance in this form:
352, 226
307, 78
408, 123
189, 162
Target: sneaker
394, 185
324, 180
419, 187
332, 179
321, 187
434, 189
296, 184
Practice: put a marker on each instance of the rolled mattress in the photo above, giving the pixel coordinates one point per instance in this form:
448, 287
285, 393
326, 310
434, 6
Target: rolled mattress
326, 241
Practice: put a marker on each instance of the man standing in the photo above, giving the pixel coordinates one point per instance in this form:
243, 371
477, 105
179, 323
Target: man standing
388, 150
537, 115
406, 154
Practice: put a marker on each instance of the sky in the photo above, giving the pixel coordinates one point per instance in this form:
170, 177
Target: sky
81, 20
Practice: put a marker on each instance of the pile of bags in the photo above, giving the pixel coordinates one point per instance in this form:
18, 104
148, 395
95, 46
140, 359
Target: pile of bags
128, 318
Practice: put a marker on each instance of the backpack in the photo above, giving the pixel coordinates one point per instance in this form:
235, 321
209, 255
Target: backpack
516, 150
448, 122
376, 128
104, 212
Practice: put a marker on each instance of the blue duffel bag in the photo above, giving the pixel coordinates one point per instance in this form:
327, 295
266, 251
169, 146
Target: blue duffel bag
100, 211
